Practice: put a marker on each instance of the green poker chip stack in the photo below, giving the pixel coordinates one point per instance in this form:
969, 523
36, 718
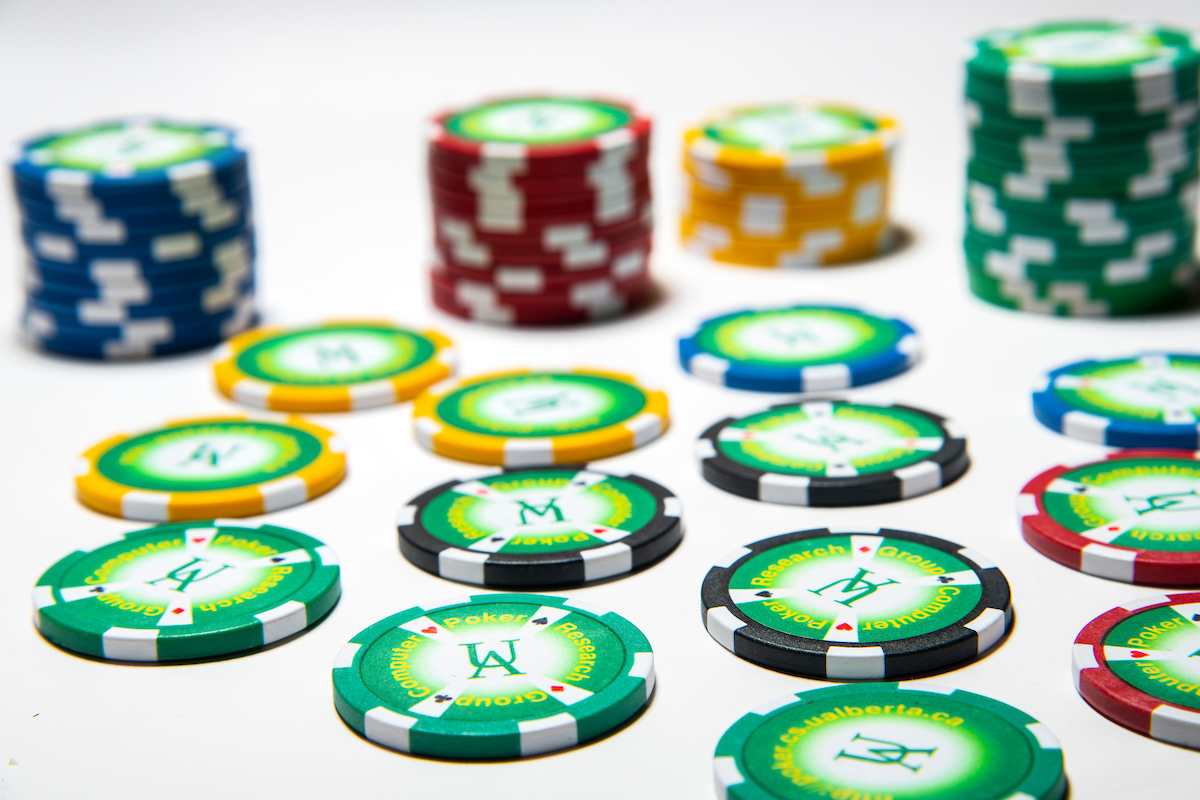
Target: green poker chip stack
1082, 180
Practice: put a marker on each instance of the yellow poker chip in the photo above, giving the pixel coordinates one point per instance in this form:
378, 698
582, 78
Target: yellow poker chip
791, 134
770, 213
527, 418
336, 365
817, 246
206, 467
809, 181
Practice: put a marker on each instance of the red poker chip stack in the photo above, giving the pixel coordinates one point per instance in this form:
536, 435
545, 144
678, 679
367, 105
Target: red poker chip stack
540, 233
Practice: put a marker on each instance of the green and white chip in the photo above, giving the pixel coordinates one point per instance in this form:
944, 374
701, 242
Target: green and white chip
888, 740
493, 676
187, 591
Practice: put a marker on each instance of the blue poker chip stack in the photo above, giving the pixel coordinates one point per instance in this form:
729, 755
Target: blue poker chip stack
138, 238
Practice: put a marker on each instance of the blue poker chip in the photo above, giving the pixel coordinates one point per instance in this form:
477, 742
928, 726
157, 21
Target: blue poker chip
234, 255
799, 348
1150, 400
127, 158
139, 293
203, 212
112, 232
90, 313
165, 248
135, 338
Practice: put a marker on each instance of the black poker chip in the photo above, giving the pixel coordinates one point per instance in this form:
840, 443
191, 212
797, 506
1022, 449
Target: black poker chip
540, 527
833, 453
856, 606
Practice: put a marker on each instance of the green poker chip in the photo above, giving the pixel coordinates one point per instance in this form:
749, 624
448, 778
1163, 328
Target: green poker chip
1084, 54
888, 740
833, 453
855, 605
1076, 298
493, 676
540, 527
800, 348
187, 591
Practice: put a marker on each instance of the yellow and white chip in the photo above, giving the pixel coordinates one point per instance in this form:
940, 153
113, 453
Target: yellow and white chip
801, 183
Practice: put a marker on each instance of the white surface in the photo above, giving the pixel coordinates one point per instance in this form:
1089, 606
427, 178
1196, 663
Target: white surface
332, 95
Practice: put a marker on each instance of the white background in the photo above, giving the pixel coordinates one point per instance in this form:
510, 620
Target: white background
332, 96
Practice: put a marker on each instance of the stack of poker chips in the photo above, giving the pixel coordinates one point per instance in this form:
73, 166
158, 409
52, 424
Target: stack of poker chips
795, 184
137, 236
1081, 188
541, 210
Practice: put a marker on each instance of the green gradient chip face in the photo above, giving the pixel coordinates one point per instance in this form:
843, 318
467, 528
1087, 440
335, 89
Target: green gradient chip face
493, 676
1137, 665
855, 605
895, 741
187, 590
539, 527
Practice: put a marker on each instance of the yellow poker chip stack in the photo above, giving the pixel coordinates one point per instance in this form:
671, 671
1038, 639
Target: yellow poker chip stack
795, 184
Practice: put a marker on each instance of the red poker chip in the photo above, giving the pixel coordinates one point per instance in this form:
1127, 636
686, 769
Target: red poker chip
601, 208
590, 257
477, 181
533, 280
509, 316
482, 302
1136, 665
1133, 516
545, 236
578, 295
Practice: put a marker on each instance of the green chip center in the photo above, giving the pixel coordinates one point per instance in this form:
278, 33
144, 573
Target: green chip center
335, 355
538, 121
491, 662
1085, 47
901, 745
539, 511
541, 405
797, 337
1145, 504
181, 578
1148, 390
128, 148
831, 439
209, 456
1158, 652
789, 128
855, 588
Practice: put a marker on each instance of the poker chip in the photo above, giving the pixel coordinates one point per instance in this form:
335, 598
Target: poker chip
1150, 400
1135, 665
833, 453
1132, 516
893, 740
843, 605
540, 527
337, 365
201, 468
525, 418
186, 591
493, 676
796, 184
525, 188
799, 348
1082, 182
139, 238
